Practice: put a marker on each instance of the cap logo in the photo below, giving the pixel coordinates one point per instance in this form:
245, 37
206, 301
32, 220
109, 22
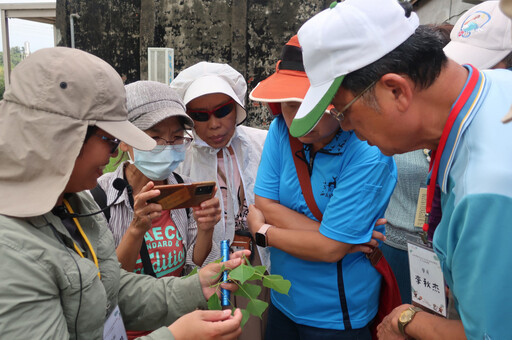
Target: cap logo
474, 23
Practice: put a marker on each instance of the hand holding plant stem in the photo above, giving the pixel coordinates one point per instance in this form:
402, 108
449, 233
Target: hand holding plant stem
240, 272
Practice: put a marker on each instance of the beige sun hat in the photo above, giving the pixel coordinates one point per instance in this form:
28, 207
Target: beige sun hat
206, 78
55, 94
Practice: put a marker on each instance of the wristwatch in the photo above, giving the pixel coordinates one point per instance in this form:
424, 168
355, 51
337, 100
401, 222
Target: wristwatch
405, 317
261, 235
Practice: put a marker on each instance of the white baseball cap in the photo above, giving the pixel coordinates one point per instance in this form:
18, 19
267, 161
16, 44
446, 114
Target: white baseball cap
342, 39
481, 37
206, 78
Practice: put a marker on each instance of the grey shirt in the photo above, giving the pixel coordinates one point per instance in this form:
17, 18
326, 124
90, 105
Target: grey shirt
412, 168
48, 291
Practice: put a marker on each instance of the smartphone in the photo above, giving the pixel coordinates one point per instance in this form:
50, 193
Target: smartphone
183, 195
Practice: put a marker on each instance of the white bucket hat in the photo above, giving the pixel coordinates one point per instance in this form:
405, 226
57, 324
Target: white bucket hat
342, 39
481, 37
207, 78
55, 94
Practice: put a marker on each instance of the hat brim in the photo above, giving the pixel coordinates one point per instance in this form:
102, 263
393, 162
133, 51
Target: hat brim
282, 86
481, 58
150, 119
214, 84
128, 133
508, 117
313, 107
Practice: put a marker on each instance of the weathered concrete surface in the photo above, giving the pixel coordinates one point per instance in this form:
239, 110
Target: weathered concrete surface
107, 29
247, 34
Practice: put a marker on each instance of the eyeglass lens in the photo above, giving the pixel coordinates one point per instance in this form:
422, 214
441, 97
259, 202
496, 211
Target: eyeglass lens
114, 143
176, 141
219, 112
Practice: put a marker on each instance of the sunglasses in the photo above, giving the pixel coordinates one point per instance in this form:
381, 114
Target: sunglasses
114, 142
220, 111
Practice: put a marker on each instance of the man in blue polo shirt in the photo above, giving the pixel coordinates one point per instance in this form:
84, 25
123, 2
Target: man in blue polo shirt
414, 97
334, 290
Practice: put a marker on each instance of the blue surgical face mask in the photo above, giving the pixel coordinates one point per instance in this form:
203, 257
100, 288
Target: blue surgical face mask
159, 163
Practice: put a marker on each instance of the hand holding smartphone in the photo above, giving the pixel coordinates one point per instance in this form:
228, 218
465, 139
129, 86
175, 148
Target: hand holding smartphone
184, 195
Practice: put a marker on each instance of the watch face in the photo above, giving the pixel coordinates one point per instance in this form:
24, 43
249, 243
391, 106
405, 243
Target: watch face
261, 240
405, 316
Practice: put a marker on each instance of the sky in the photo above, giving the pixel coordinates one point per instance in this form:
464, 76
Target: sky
37, 34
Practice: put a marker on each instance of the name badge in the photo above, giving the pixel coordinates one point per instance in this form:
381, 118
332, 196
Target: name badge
114, 326
427, 279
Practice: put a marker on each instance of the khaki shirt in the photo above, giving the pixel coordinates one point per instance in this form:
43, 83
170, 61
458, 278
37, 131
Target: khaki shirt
48, 291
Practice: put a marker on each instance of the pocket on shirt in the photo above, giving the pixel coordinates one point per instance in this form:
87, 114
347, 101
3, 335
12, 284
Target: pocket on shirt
367, 200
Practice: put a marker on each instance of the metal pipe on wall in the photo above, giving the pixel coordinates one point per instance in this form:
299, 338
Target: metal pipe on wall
72, 27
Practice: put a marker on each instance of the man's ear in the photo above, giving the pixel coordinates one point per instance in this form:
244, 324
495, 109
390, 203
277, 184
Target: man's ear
398, 89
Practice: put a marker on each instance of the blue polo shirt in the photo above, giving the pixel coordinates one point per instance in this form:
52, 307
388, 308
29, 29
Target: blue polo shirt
473, 239
352, 183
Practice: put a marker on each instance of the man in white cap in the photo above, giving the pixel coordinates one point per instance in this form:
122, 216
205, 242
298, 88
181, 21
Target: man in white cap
482, 37
391, 83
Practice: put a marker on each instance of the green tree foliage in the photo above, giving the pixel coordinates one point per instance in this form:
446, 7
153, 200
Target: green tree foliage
17, 54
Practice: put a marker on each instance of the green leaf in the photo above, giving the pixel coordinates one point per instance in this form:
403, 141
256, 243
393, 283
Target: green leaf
256, 307
193, 272
245, 317
260, 271
277, 283
216, 276
242, 273
248, 290
214, 302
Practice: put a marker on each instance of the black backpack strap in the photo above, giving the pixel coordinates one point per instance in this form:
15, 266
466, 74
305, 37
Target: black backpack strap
146, 262
180, 180
100, 197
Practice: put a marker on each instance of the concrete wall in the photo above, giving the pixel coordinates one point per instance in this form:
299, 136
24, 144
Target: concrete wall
439, 11
247, 34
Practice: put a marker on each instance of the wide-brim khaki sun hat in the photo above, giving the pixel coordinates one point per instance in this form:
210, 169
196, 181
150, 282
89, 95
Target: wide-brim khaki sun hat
207, 78
55, 95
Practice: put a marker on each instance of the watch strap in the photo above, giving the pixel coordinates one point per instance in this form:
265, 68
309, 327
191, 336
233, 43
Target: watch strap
261, 235
264, 228
401, 325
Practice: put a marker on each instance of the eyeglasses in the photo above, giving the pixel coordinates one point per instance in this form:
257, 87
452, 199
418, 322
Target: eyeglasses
219, 112
340, 115
114, 142
178, 143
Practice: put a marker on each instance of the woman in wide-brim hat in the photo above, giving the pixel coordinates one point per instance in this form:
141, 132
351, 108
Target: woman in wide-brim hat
61, 120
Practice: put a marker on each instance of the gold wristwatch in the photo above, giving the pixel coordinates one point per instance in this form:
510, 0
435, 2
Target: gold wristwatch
405, 317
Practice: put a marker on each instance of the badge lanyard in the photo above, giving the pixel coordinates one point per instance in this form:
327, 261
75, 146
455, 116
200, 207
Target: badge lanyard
68, 207
434, 163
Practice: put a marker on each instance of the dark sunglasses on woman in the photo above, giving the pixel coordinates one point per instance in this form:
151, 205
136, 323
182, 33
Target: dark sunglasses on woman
220, 111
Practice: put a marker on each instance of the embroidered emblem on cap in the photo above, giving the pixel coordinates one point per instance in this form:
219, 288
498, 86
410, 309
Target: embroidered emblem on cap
474, 23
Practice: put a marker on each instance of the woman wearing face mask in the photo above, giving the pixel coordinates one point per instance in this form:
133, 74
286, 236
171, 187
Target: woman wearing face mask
176, 240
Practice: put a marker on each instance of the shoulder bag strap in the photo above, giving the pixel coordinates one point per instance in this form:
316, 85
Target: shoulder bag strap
304, 179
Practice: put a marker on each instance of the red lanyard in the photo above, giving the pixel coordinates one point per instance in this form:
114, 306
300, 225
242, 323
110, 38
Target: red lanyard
434, 162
